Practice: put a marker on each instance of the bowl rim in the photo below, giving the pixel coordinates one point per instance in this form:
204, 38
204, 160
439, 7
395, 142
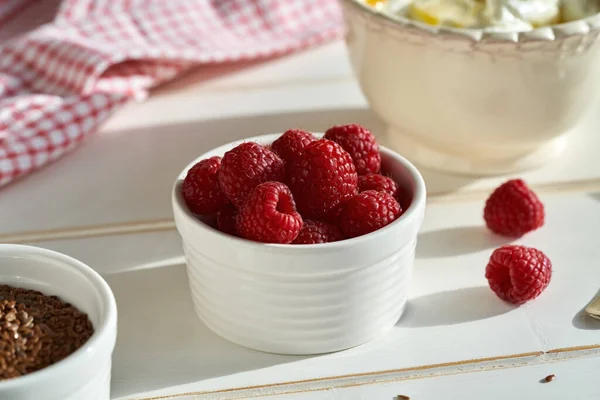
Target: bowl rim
543, 34
94, 344
412, 212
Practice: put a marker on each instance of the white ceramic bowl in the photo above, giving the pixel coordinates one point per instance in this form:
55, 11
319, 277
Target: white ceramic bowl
85, 374
470, 101
302, 299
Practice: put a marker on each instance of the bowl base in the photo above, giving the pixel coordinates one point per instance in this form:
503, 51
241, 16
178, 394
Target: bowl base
297, 348
481, 162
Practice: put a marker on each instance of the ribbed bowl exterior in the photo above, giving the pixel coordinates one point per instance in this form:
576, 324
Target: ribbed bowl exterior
312, 299
313, 314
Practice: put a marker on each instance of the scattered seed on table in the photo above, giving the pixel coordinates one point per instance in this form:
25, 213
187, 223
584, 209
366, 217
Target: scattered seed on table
549, 378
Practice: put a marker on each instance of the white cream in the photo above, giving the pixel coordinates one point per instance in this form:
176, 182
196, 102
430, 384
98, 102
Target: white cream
534, 12
501, 19
456, 13
493, 15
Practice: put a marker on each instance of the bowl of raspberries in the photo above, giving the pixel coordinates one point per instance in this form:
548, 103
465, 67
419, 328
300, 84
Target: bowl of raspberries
300, 243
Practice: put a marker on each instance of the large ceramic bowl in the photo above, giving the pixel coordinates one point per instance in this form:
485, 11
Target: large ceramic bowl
470, 101
307, 299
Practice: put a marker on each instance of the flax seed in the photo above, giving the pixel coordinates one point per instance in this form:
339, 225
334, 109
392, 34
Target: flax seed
37, 331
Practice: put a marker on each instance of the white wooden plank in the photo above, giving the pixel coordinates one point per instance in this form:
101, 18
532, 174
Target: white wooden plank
328, 62
575, 379
127, 176
453, 244
452, 315
161, 343
203, 105
122, 253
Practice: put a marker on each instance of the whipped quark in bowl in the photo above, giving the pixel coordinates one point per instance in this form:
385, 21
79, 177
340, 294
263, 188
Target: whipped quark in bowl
480, 87
490, 15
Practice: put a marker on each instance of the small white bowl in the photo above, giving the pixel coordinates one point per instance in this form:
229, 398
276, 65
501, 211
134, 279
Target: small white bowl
302, 299
471, 101
85, 374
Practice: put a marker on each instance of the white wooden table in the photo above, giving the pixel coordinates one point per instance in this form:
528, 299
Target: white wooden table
108, 204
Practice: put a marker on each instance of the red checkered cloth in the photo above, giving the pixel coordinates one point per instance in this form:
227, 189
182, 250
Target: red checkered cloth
59, 82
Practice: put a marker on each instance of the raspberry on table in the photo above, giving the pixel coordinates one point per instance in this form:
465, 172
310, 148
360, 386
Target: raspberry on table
518, 274
313, 232
367, 212
322, 177
360, 143
513, 209
226, 217
378, 183
247, 166
200, 187
291, 143
269, 215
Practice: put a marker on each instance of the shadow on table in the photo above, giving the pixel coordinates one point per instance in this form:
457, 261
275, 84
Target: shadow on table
202, 136
453, 307
595, 196
208, 73
161, 152
161, 343
457, 241
583, 321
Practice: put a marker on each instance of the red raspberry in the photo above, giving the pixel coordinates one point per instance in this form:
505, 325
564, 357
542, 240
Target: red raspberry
518, 274
247, 166
291, 143
210, 220
378, 183
226, 220
322, 177
269, 215
360, 144
513, 209
200, 188
318, 232
368, 211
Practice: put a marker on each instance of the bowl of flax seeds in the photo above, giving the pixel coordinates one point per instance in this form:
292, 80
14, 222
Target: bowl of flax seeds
57, 327
37, 331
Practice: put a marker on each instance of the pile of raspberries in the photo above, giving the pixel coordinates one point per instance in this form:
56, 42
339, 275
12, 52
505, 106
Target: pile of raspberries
298, 190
